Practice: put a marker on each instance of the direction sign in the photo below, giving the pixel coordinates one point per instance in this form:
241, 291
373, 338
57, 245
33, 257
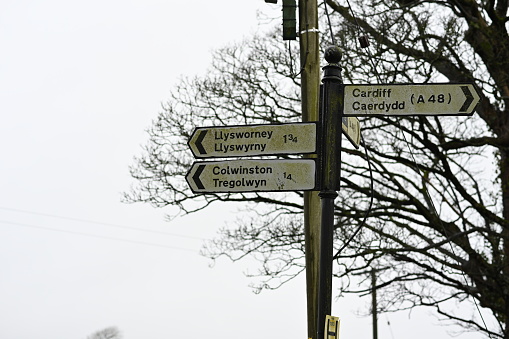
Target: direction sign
252, 175
410, 99
352, 129
249, 140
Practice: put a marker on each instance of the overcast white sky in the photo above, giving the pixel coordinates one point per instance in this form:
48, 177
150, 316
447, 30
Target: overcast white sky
80, 81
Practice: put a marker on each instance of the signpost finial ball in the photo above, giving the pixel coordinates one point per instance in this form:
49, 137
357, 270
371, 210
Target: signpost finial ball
333, 54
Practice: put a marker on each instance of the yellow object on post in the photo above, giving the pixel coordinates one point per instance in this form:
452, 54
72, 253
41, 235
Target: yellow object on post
331, 327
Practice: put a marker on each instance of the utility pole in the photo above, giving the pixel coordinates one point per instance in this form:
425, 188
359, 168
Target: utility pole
374, 302
374, 310
310, 85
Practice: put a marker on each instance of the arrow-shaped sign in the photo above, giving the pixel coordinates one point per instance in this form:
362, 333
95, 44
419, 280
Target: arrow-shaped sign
469, 98
199, 141
252, 175
410, 99
250, 140
196, 177
352, 129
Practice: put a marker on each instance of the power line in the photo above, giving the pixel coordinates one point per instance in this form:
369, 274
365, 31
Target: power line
329, 23
389, 326
99, 223
95, 236
372, 196
432, 207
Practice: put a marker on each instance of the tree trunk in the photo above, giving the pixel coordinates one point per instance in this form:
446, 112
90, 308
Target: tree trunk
504, 179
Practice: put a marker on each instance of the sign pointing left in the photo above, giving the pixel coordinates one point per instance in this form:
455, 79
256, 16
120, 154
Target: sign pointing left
250, 140
252, 175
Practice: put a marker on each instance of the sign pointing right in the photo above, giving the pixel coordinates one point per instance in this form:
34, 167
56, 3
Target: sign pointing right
410, 99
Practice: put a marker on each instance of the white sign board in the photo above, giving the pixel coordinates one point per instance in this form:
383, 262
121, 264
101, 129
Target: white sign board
352, 129
252, 175
410, 99
251, 140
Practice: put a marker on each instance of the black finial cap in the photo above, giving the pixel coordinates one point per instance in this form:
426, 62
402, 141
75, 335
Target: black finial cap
333, 55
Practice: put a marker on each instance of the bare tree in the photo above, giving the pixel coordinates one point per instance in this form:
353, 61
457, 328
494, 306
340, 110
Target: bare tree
106, 333
438, 188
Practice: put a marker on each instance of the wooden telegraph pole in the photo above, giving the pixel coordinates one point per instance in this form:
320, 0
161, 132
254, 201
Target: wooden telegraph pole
374, 309
310, 85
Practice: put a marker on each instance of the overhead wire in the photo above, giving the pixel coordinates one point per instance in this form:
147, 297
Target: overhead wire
389, 326
330, 24
363, 222
14, 223
94, 236
434, 210
99, 223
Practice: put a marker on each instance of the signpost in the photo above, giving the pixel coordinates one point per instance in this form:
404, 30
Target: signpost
252, 175
250, 140
410, 99
340, 105
352, 129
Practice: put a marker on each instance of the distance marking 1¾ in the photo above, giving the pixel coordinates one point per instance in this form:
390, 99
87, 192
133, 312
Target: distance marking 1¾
251, 140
